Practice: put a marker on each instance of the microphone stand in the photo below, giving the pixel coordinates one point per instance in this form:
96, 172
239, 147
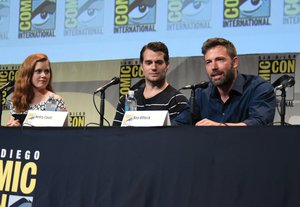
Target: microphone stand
192, 99
193, 88
282, 106
113, 81
102, 98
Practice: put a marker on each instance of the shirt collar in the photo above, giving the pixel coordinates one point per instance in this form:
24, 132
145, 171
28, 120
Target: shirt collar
239, 84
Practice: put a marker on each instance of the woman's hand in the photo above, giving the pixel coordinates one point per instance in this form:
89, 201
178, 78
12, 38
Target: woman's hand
12, 122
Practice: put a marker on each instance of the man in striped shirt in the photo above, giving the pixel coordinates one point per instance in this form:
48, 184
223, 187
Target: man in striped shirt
157, 94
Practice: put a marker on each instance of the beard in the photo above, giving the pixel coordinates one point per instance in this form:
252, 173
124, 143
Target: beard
225, 80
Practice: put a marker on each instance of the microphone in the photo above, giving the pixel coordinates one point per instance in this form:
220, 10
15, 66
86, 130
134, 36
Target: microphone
202, 84
113, 81
8, 84
283, 82
137, 85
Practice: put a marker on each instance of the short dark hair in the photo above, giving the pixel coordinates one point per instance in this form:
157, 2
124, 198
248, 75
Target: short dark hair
156, 47
213, 42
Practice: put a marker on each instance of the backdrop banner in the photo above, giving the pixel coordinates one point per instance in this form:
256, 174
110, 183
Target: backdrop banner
77, 81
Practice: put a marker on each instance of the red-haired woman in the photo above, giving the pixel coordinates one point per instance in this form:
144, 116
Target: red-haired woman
33, 89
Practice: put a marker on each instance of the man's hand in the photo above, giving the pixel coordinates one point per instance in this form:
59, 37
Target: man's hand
207, 122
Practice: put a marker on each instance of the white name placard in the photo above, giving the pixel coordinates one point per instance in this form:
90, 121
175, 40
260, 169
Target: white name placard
146, 118
46, 118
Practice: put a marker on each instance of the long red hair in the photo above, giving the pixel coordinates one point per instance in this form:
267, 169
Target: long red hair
23, 92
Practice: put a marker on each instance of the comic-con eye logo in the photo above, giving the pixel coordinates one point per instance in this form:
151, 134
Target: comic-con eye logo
4, 19
246, 12
37, 15
83, 14
246, 8
142, 12
188, 14
291, 7
37, 18
4, 12
193, 7
134, 12
178, 10
131, 12
249, 8
291, 14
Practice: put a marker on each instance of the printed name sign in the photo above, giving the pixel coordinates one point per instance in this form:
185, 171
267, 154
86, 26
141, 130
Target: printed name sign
46, 118
146, 118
